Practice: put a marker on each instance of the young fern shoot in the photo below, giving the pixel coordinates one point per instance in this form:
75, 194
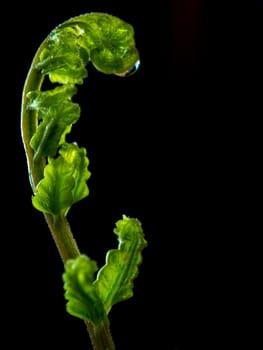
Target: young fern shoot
58, 170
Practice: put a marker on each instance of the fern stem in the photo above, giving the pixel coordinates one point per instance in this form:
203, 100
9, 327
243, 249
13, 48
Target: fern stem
63, 237
102, 337
29, 121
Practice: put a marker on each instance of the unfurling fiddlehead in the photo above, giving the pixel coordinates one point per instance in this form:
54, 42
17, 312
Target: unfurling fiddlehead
58, 170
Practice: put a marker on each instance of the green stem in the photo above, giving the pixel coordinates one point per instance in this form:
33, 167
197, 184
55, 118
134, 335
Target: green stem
105, 335
63, 237
29, 122
100, 336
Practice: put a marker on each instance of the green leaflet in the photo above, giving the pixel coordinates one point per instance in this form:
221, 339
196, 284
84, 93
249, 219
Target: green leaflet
57, 114
114, 281
83, 300
64, 181
77, 158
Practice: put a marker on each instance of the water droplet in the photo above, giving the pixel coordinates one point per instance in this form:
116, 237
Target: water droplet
130, 71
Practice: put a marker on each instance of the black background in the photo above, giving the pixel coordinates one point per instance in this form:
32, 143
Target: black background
165, 145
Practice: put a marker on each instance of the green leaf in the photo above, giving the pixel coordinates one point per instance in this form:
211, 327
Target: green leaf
81, 295
64, 181
54, 192
114, 281
57, 113
64, 59
77, 158
115, 50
